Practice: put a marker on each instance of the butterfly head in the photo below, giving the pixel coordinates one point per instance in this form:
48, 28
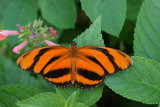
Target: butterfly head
74, 43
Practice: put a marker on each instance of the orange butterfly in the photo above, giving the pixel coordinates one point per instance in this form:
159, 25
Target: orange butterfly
86, 67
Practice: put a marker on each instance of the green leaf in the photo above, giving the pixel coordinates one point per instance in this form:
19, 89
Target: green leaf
71, 100
8, 100
2, 105
3, 6
147, 31
87, 97
9, 70
79, 105
19, 12
112, 12
91, 36
66, 92
133, 7
61, 13
43, 100
140, 82
10, 94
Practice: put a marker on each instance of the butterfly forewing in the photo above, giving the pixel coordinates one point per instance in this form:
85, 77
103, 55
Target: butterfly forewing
121, 60
113, 60
52, 62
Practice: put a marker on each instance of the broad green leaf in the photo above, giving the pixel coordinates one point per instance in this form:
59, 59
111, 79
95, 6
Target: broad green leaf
79, 105
10, 94
112, 12
140, 82
61, 13
133, 7
11, 74
71, 100
3, 6
90, 97
19, 12
94, 105
43, 100
8, 100
91, 36
147, 31
2, 105
66, 92
87, 97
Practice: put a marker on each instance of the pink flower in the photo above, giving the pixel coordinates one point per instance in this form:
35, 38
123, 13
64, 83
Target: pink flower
19, 47
2, 37
21, 28
5, 33
49, 43
44, 35
51, 31
34, 36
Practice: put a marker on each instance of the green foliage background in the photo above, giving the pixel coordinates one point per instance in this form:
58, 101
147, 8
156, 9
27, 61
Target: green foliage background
132, 26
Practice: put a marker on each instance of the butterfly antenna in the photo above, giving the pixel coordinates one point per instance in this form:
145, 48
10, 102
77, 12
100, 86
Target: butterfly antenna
32, 30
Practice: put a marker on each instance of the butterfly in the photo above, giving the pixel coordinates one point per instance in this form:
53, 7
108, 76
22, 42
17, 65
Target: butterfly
86, 67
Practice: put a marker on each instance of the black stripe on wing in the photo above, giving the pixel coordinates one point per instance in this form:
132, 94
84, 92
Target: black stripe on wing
57, 73
89, 75
97, 62
49, 62
110, 57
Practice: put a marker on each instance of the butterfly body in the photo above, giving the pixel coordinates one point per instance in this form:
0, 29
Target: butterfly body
73, 52
86, 67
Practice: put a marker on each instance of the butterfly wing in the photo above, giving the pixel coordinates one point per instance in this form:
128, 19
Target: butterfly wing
52, 62
95, 63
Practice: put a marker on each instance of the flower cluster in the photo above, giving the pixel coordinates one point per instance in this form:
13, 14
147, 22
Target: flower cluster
30, 34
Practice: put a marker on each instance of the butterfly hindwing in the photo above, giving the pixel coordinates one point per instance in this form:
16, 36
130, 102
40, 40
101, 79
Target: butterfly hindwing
52, 62
60, 73
89, 74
